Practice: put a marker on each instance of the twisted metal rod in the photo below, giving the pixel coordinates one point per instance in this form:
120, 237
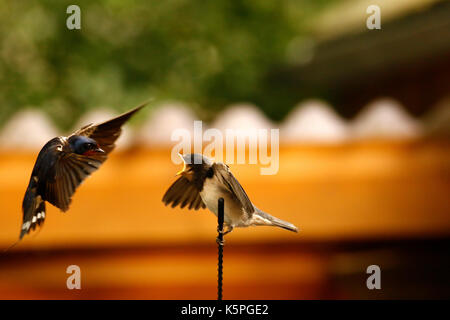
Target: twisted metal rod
220, 242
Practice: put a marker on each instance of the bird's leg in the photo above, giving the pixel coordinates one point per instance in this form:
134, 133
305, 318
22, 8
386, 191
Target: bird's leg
229, 229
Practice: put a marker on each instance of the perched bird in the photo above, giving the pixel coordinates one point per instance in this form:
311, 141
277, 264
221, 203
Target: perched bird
203, 182
63, 163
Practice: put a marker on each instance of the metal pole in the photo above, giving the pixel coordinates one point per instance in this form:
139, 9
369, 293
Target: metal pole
220, 218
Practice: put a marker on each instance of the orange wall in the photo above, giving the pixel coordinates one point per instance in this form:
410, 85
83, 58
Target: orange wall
351, 192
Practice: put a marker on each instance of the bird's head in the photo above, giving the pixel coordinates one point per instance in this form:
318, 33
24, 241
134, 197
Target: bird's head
193, 164
85, 146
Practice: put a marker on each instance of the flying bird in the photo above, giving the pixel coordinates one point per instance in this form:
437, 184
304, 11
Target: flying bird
62, 165
202, 182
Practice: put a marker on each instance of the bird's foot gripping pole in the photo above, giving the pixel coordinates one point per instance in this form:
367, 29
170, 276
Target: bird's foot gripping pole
220, 239
220, 242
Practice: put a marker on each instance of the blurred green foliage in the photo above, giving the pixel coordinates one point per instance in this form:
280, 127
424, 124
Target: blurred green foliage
205, 53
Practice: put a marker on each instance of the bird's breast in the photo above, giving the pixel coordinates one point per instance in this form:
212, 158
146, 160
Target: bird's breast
212, 191
210, 194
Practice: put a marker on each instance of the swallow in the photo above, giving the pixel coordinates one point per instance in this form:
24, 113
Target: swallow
62, 165
201, 184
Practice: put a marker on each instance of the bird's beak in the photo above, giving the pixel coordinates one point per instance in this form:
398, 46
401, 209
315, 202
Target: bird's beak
184, 165
99, 150
182, 170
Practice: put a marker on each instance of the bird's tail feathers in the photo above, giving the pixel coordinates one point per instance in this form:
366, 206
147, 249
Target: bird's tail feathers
284, 224
34, 213
262, 218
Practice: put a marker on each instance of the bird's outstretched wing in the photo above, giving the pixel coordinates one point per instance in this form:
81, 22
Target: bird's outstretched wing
71, 169
69, 172
183, 192
106, 133
224, 175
